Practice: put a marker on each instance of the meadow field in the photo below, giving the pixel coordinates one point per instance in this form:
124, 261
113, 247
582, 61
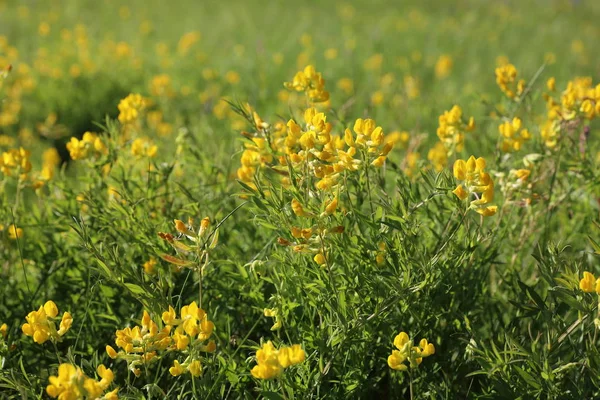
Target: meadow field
299, 200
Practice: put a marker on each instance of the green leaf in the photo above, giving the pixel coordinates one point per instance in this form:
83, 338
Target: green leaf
272, 396
135, 289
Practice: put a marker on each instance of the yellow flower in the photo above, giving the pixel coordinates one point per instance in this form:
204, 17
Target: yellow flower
111, 352
14, 233
588, 283
143, 147
195, 368
396, 361
131, 107
72, 383
15, 160
150, 266
274, 313
291, 355
311, 82
477, 182
405, 351
41, 326
506, 78
268, 362
176, 369
89, 146
271, 362
297, 208
320, 259
331, 207
3, 330
443, 66
438, 156
452, 128
513, 136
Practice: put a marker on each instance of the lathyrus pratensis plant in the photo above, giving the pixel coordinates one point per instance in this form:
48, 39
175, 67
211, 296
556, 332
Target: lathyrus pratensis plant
360, 237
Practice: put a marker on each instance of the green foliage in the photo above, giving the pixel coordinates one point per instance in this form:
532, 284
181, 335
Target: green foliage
284, 242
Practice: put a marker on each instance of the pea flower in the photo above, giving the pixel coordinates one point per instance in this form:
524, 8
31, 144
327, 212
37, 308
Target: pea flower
89, 146
140, 344
506, 78
14, 233
405, 351
41, 324
311, 82
143, 147
131, 108
452, 128
191, 335
476, 182
513, 136
15, 161
271, 362
589, 283
72, 383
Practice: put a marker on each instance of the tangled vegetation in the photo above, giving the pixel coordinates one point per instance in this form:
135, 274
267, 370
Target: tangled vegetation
346, 200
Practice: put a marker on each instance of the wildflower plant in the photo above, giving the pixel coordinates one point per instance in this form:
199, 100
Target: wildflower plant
233, 218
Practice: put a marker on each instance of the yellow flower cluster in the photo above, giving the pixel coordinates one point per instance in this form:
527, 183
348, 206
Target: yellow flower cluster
72, 384
273, 313
438, 156
367, 136
477, 182
271, 362
580, 100
443, 66
312, 240
143, 147
89, 146
50, 160
513, 136
14, 233
506, 78
131, 107
15, 161
41, 325
160, 86
257, 152
311, 150
406, 351
311, 82
193, 330
141, 344
589, 283
452, 128
3, 331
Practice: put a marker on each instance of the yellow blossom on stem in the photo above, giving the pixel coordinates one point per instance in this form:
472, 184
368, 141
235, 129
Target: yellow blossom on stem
72, 383
589, 283
475, 181
14, 233
271, 362
89, 146
506, 78
131, 107
311, 82
15, 161
513, 136
41, 324
405, 351
452, 128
